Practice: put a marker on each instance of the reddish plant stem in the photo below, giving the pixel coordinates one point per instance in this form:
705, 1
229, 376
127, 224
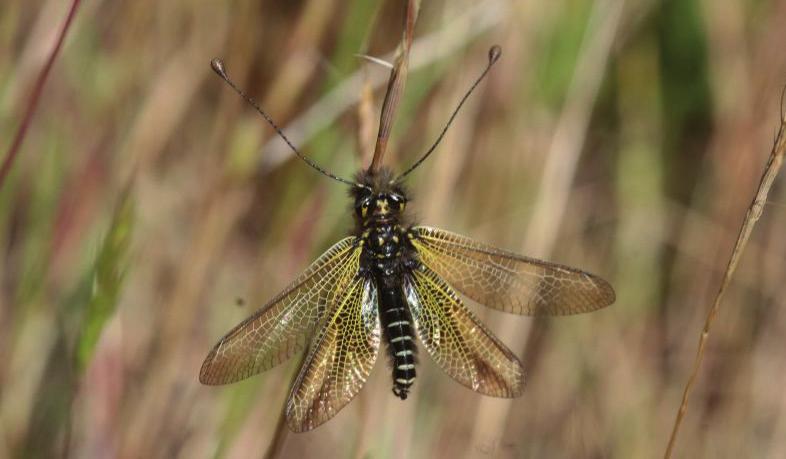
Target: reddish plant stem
398, 78
32, 104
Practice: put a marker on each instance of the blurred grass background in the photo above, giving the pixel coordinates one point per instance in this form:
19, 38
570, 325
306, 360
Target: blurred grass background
625, 138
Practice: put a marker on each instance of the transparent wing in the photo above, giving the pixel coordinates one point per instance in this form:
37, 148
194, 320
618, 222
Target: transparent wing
340, 359
460, 344
284, 325
509, 282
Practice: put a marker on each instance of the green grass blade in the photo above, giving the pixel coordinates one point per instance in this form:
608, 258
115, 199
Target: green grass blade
106, 280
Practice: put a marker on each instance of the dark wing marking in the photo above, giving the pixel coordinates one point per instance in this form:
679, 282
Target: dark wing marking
340, 359
460, 344
509, 282
284, 325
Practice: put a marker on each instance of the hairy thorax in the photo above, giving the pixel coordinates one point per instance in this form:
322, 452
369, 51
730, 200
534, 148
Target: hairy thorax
379, 215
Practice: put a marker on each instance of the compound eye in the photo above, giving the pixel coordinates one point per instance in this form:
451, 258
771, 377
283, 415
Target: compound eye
363, 208
397, 202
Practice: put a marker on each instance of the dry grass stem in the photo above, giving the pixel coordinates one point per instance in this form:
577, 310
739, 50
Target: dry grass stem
751, 217
459, 31
396, 84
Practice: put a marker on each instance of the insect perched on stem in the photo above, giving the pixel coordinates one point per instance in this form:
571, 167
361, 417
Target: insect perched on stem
395, 282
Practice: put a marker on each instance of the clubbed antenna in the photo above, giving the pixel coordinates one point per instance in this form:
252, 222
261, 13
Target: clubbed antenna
218, 67
494, 54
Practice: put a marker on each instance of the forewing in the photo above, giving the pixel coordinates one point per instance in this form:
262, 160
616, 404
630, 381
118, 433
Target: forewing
284, 325
509, 282
460, 344
340, 359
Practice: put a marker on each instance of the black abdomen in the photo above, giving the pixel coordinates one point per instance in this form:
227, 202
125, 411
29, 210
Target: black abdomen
398, 331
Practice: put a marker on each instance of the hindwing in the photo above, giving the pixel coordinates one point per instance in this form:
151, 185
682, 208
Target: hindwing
457, 341
340, 359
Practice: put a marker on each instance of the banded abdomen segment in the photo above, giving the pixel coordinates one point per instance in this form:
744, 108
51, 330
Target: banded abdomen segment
397, 328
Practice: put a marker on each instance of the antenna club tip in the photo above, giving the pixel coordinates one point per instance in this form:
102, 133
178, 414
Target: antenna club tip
218, 66
495, 52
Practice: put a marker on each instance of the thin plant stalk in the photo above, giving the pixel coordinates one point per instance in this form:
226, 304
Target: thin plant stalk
751, 217
396, 84
425, 50
398, 76
280, 434
38, 88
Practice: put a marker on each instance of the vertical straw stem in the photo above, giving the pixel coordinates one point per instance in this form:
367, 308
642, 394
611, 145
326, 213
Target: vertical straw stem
280, 434
751, 217
398, 78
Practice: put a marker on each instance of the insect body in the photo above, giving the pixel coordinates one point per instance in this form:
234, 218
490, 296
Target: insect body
387, 260
395, 282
